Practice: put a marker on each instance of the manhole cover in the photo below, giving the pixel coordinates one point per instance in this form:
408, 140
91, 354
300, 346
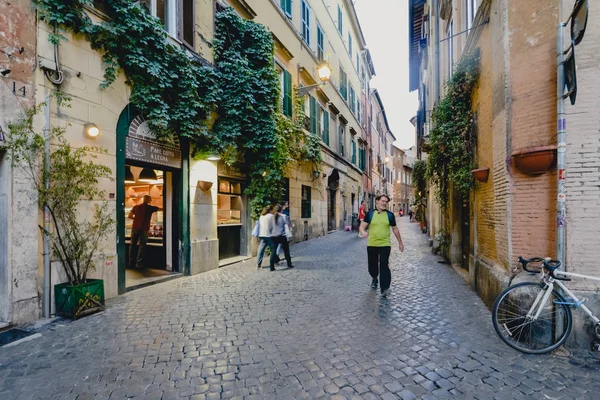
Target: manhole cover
13, 335
199, 335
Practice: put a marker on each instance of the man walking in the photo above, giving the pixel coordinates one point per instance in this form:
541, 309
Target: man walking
379, 222
141, 215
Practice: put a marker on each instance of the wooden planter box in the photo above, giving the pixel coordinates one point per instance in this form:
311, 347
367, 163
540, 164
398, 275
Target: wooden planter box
79, 300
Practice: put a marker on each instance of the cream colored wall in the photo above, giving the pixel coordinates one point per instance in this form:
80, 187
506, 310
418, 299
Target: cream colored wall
205, 28
83, 73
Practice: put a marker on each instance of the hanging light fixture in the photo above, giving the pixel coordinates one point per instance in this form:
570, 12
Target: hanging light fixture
129, 175
147, 176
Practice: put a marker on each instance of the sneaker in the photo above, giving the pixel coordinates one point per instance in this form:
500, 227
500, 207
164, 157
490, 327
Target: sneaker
259, 267
385, 293
374, 284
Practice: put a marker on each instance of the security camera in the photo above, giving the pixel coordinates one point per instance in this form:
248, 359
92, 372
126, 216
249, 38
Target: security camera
4, 71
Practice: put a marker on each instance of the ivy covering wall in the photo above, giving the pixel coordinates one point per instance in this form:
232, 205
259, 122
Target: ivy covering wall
177, 93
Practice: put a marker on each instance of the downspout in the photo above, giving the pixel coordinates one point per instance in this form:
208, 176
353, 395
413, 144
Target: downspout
46, 294
562, 135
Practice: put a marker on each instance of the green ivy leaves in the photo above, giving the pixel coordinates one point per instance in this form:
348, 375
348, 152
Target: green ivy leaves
452, 141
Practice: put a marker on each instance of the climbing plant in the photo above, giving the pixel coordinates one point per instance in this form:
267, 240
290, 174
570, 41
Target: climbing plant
419, 179
178, 93
450, 159
250, 123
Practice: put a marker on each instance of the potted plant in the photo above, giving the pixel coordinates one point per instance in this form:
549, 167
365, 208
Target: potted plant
63, 181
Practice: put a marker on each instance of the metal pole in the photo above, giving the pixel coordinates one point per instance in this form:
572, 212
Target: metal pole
46, 295
562, 147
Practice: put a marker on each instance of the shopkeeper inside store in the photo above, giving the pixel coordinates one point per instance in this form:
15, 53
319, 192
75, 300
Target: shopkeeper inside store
142, 216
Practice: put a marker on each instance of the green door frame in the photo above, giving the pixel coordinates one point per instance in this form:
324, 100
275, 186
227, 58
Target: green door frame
127, 115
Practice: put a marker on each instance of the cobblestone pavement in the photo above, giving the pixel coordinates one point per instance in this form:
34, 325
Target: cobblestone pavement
316, 331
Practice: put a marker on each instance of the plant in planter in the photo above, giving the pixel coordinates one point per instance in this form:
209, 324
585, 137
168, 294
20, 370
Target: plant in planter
69, 178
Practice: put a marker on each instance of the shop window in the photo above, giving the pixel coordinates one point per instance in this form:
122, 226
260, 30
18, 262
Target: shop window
306, 202
229, 203
142, 182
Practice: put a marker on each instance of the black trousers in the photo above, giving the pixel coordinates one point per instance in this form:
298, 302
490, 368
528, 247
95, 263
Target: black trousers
285, 245
379, 258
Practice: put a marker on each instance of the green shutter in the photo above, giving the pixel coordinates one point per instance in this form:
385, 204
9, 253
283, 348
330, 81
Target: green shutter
318, 131
326, 128
353, 152
287, 94
286, 6
313, 116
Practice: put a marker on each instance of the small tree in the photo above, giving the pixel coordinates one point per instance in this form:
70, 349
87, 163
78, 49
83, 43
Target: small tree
73, 176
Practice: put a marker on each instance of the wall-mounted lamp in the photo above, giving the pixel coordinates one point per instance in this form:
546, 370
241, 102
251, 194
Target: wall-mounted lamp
205, 185
264, 173
213, 157
91, 130
324, 71
316, 174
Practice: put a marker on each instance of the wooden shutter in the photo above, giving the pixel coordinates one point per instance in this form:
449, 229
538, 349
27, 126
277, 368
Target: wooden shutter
287, 94
326, 128
313, 115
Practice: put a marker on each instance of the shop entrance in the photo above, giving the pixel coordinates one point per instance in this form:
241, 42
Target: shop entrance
158, 257
230, 219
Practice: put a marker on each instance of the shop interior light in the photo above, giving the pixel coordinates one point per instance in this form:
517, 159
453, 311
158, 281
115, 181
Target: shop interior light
129, 175
148, 176
91, 130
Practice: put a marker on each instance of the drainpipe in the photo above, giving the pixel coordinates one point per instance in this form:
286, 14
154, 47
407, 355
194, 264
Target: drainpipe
436, 10
562, 135
46, 294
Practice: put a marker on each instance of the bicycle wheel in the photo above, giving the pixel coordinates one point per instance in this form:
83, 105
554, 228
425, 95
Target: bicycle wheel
522, 333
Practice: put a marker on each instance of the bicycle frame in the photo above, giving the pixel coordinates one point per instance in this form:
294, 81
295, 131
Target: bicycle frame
543, 296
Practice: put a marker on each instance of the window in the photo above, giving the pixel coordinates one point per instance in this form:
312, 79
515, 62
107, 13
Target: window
342, 138
320, 44
358, 109
353, 152
187, 11
305, 22
286, 6
340, 20
350, 45
450, 33
470, 9
166, 11
352, 99
306, 207
357, 61
343, 83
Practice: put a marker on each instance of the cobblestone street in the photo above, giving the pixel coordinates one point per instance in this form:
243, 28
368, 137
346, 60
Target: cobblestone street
316, 331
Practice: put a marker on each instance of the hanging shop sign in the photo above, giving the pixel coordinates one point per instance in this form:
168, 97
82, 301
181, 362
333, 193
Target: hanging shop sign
153, 153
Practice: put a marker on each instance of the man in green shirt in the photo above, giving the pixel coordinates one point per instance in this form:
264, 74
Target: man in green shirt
379, 222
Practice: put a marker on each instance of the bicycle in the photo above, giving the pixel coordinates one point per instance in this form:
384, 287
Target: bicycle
534, 317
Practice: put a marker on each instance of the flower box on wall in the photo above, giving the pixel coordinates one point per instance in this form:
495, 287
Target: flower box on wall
481, 174
535, 160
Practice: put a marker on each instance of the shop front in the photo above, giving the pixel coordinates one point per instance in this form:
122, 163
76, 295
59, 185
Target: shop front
233, 214
152, 219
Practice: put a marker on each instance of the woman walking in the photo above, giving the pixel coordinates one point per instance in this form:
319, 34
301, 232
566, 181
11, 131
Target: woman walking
279, 237
266, 224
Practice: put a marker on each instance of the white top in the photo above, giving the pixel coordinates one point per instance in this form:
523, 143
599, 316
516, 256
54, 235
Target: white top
266, 225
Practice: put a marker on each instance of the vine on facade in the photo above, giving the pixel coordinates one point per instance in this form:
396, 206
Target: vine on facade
177, 93
450, 159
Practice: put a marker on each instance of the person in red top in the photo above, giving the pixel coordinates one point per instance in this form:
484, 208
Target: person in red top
141, 215
362, 212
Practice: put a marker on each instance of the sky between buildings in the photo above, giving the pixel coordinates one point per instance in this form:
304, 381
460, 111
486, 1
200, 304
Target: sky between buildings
385, 26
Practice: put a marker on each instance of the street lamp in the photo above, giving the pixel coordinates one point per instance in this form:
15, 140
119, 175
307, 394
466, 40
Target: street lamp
324, 71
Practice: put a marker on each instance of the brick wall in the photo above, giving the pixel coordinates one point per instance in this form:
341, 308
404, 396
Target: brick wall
533, 123
583, 158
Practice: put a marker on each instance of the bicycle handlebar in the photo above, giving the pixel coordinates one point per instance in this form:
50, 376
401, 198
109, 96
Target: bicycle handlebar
549, 264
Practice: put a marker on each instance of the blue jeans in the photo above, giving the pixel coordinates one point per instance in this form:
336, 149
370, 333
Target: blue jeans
264, 242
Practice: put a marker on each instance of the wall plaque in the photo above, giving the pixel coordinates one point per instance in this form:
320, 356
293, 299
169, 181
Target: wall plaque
152, 153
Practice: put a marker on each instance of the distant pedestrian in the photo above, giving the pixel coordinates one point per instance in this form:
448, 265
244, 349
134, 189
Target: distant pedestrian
361, 214
279, 234
285, 210
379, 222
410, 214
266, 224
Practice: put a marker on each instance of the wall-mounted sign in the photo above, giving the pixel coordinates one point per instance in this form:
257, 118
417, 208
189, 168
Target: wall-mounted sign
153, 153
233, 171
